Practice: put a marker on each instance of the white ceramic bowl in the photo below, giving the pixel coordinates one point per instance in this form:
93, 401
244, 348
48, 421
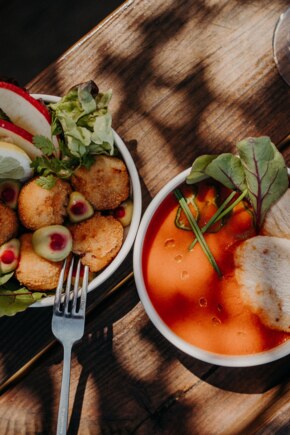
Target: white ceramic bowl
130, 231
210, 357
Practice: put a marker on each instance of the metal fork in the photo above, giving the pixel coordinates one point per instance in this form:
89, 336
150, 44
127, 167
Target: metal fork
68, 323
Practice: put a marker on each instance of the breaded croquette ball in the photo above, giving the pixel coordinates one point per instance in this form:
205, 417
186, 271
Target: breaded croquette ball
97, 240
33, 271
8, 223
39, 207
105, 185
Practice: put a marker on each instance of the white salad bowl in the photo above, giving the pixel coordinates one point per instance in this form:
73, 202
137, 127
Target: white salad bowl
130, 231
194, 351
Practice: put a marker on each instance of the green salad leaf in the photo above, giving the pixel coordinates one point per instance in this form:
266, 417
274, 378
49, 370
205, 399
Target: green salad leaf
46, 182
5, 278
12, 302
259, 169
85, 120
225, 168
228, 170
44, 144
198, 169
265, 172
13, 297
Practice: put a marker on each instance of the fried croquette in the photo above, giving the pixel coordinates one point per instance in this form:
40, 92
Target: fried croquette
39, 207
8, 223
33, 271
97, 240
105, 185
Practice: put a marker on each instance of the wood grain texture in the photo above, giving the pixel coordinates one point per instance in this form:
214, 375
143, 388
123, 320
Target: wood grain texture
188, 77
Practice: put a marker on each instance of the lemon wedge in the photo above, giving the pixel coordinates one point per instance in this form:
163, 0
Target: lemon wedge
14, 162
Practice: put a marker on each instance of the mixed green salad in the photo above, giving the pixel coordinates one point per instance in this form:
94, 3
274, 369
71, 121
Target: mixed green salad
82, 123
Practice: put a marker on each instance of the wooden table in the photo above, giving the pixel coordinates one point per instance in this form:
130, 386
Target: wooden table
188, 77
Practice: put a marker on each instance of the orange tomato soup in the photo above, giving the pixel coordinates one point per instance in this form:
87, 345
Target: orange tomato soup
201, 308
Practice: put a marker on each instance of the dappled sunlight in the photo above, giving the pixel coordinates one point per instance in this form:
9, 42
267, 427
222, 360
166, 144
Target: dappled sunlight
187, 79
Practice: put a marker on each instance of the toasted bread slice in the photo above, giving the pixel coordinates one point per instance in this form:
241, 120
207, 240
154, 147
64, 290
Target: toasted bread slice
262, 270
277, 220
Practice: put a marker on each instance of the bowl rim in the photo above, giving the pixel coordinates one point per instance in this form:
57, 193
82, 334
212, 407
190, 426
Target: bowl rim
209, 357
137, 210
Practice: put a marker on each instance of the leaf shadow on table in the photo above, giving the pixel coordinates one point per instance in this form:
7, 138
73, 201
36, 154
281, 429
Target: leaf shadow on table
167, 25
105, 366
96, 356
193, 92
127, 403
23, 336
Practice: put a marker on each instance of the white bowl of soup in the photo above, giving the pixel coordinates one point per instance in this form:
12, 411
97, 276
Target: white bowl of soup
200, 313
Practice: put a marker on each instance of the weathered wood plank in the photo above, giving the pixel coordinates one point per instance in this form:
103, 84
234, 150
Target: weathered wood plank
126, 377
188, 77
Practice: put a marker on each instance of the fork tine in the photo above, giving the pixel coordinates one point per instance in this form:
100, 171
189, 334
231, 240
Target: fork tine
68, 287
76, 287
58, 292
84, 291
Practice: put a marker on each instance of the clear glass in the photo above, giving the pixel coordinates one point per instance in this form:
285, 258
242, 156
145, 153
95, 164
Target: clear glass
281, 45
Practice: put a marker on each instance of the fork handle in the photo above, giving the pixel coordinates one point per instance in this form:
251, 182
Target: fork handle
64, 395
